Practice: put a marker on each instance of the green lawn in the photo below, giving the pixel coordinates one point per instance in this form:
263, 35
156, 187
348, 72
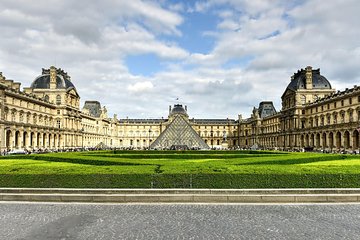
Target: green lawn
177, 169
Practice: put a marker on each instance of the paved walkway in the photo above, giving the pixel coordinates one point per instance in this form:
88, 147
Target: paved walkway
178, 221
305, 195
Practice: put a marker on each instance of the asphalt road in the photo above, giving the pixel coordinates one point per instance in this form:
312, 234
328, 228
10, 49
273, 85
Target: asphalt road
172, 221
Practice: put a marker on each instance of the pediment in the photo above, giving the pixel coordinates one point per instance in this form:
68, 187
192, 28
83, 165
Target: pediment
72, 91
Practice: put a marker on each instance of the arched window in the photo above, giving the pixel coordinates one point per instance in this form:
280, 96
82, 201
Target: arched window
58, 99
46, 98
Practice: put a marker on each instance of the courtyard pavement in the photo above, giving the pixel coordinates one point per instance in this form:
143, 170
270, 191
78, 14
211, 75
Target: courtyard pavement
178, 221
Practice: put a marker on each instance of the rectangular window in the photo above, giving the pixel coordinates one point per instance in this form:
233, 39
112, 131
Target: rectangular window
350, 101
342, 103
334, 104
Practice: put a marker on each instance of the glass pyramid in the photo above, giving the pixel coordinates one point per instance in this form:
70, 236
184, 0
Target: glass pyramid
179, 135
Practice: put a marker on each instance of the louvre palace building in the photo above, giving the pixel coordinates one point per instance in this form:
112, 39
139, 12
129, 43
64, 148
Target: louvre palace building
47, 115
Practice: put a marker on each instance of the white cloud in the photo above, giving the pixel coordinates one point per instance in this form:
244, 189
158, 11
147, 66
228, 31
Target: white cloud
140, 87
258, 45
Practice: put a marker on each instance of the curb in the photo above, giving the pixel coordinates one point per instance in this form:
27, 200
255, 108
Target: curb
351, 195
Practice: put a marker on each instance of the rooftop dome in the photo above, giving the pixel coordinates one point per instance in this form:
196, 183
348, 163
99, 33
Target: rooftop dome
298, 80
62, 80
178, 109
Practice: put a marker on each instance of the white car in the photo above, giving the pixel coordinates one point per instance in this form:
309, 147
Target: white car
17, 151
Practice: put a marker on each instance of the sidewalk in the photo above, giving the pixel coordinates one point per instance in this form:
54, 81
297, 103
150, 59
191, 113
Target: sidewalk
181, 195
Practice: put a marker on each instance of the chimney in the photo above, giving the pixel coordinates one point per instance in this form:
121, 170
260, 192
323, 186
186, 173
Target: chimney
169, 109
185, 108
309, 82
52, 77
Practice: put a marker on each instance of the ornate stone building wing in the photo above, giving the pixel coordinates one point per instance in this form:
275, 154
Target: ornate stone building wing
179, 133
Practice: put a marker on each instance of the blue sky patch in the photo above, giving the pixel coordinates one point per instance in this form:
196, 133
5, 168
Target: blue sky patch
193, 31
144, 64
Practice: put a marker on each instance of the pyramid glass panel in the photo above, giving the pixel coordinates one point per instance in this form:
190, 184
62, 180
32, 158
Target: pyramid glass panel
179, 134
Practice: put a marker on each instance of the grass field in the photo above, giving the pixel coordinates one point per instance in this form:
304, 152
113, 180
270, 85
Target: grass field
177, 169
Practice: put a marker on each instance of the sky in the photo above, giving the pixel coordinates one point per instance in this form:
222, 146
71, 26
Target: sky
221, 58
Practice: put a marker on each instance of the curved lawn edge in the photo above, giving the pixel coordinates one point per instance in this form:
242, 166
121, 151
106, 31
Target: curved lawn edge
216, 181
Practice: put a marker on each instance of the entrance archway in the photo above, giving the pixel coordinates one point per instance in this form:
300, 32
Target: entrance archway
307, 140
38, 140
17, 139
312, 139
49, 141
25, 136
331, 140
44, 140
317, 140
324, 142
347, 140
32, 139
338, 140
8, 139
355, 139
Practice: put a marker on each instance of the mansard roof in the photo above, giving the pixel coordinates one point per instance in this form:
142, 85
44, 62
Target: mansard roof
298, 80
43, 81
178, 109
266, 108
94, 108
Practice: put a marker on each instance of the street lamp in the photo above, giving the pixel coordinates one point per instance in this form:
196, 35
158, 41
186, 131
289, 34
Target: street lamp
149, 137
212, 139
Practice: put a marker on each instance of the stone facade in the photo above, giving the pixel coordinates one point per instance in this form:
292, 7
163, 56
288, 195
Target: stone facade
47, 115
313, 116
